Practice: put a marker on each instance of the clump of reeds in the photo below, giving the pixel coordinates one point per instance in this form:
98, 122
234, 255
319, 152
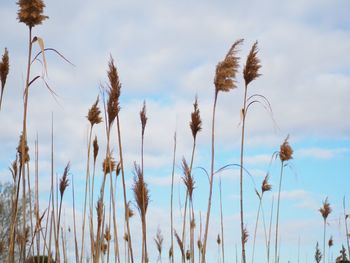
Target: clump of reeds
4, 71
285, 154
224, 81
325, 210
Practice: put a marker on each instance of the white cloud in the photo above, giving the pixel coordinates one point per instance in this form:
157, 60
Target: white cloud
320, 153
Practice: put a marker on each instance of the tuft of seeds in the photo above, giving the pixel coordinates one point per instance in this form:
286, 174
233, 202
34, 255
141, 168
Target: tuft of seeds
188, 178
130, 212
286, 151
64, 182
107, 234
245, 235
108, 165
266, 186
96, 148
218, 240
330, 242
4, 68
23, 156
114, 88
188, 254
227, 69
31, 12
143, 118
251, 69
94, 114
141, 192
159, 241
196, 122
326, 209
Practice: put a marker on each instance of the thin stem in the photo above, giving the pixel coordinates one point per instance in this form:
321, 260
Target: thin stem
211, 179
86, 190
278, 210
171, 201
256, 227
124, 190
346, 227
241, 174
324, 240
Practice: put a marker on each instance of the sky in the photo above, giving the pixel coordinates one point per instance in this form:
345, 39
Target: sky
166, 53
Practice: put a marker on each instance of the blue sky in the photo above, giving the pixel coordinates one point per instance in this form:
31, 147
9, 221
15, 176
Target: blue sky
166, 53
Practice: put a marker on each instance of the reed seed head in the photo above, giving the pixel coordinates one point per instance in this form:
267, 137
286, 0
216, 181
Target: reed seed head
326, 209
266, 186
64, 182
227, 69
170, 252
4, 68
251, 69
196, 122
14, 169
104, 248
188, 178
141, 192
286, 151
330, 242
107, 234
108, 165
188, 254
114, 88
130, 212
23, 155
118, 169
143, 118
159, 241
99, 210
218, 240
94, 114
180, 243
96, 148
31, 12
126, 237
245, 235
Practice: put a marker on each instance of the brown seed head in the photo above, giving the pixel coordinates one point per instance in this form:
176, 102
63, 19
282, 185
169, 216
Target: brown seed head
64, 182
23, 156
245, 235
108, 165
141, 192
199, 244
286, 151
114, 88
126, 237
104, 248
107, 234
99, 210
251, 69
118, 169
143, 118
170, 252
330, 242
188, 254
94, 114
130, 212
4, 69
14, 169
218, 240
180, 243
326, 209
159, 241
96, 148
31, 12
196, 122
188, 178
265, 186
227, 69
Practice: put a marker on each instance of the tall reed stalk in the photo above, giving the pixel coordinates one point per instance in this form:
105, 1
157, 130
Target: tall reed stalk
325, 210
171, 203
346, 217
250, 73
285, 155
224, 81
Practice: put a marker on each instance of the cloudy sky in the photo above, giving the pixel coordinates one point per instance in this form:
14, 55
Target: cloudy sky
166, 53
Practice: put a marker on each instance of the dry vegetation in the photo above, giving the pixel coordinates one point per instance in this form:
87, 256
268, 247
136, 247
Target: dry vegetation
38, 236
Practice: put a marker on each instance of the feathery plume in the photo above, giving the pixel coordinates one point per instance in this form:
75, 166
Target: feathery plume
196, 122
286, 151
23, 156
251, 69
4, 69
143, 117
113, 92
141, 191
245, 235
64, 182
94, 114
96, 148
188, 178
266, 186
227, 69
108, 165
31, 12
326, 209
159, 241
